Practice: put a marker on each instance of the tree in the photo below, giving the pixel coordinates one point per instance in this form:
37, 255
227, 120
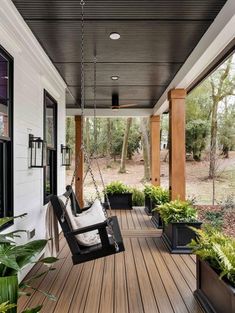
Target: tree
70, 132
196, 135
134, 139
222, 85
109, 141
125, 146
146, 146
226, 131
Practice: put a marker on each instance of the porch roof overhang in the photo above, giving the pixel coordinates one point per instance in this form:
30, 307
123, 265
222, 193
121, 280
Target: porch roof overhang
163, 45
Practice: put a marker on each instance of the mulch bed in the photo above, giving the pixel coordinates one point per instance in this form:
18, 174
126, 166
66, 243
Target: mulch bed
228, 226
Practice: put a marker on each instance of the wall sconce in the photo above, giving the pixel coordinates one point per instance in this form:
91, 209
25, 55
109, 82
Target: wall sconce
37, 152
66, 155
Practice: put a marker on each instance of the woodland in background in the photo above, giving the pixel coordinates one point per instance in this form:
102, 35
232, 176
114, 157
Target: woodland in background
210, 128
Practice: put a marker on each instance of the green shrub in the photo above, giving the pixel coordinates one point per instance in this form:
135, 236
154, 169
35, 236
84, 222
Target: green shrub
216, 218
157, 194
116, 187
217, 249
137, 197
177, 211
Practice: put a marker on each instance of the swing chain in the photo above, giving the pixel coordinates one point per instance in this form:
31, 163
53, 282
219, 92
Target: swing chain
82, 149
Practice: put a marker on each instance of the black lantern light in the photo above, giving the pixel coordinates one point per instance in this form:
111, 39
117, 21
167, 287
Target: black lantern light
37, 152
66, 155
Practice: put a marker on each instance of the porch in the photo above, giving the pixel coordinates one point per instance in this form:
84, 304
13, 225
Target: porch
145, 278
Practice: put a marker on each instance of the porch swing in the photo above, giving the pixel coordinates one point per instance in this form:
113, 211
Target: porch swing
111, 241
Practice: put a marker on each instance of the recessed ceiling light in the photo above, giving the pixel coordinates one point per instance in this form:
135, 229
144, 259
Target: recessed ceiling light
4, 77
114, 77
114, 36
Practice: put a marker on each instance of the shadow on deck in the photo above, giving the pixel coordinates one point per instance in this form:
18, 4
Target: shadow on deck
143, 279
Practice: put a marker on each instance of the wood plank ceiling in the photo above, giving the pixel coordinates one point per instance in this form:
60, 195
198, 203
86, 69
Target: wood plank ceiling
156, 39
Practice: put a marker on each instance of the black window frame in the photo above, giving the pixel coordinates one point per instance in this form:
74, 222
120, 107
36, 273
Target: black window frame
51, 153
8, 148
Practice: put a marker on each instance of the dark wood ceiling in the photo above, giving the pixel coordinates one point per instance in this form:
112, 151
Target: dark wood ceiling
156, 39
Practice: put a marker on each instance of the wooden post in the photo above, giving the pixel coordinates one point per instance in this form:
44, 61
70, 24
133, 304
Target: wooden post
176, 99
79, 159
155, 149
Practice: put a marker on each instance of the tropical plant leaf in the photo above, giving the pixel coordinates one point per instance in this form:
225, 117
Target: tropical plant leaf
9, 291
34, 310
7, 258
46, 294
5, 220
9, 237
49, 260
24, 283
5, 306
25, 253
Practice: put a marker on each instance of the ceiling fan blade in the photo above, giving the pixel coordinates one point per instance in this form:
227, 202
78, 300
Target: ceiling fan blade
127, 105
123, 106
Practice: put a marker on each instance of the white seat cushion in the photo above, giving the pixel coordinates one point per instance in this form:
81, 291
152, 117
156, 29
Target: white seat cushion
93, 215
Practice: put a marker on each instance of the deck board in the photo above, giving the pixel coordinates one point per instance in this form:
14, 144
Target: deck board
143, 279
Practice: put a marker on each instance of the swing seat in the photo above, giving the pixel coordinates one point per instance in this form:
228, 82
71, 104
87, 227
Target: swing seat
81, 254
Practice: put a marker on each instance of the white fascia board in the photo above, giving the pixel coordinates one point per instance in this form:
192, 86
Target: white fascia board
111, 113
24, 41
215, 40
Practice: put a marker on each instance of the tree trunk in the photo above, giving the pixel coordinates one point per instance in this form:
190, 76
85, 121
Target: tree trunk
109, 141
146, 148
125, 145
221, 87
213, 141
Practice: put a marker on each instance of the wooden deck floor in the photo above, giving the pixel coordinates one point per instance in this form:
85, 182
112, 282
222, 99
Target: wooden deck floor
143, 279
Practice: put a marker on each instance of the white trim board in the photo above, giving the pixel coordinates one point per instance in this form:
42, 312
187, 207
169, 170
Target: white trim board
23, 41
111, 113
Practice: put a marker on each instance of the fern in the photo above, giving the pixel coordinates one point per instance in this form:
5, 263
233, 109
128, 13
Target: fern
217, 249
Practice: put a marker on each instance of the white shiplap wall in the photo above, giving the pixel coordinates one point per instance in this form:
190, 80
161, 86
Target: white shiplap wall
33, 72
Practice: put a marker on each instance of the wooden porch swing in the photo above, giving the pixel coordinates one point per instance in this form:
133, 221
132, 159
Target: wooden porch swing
111, 241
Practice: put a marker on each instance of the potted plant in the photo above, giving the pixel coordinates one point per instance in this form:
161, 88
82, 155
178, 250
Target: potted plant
215, 270
13, 258
178, 217
154, 196
137, 197
119, 196
159, 196
148, 199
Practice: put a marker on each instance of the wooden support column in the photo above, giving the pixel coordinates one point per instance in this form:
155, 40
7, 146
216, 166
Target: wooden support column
155, 149
176, 99
79, 159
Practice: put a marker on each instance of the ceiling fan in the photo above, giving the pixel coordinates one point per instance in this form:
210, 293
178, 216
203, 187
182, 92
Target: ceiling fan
115, 103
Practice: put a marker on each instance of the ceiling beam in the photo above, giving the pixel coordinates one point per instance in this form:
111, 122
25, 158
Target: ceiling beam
215, 40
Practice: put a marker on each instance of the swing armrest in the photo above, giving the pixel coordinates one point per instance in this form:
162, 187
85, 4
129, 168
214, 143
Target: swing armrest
101, 227
85, 208
86, 229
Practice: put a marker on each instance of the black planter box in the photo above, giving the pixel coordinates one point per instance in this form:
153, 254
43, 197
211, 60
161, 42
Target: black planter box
177, 235
120, 201
148, 205
157, 220
214, 294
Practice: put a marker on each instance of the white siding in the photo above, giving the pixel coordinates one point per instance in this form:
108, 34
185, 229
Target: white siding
33, 72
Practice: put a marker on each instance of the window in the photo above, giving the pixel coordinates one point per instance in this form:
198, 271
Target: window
50, 135
6, 135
